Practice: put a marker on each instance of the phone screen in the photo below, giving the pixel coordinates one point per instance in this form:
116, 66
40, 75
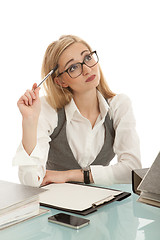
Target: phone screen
69, 220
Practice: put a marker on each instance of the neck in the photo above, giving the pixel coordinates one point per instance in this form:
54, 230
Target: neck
87, 103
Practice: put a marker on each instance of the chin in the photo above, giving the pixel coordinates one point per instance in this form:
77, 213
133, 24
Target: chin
97, 81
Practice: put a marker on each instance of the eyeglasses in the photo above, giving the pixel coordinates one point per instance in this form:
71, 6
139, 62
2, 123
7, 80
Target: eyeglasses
76, 69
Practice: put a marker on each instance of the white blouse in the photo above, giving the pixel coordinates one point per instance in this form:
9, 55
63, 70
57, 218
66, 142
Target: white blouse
85, 142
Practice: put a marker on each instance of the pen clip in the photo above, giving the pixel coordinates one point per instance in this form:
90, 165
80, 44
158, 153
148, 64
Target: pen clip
107, 199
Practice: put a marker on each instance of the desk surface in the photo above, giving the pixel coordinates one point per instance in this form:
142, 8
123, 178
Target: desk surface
125, 220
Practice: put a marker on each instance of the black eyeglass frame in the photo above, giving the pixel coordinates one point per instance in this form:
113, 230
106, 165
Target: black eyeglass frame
81, 65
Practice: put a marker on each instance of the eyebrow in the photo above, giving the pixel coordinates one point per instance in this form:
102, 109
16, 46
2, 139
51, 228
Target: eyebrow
73, 59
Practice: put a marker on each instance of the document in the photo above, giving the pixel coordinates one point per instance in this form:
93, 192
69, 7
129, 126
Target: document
76, 196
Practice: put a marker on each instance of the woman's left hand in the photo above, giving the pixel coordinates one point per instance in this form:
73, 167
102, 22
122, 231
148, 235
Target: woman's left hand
54, 176
62, 176
75, 175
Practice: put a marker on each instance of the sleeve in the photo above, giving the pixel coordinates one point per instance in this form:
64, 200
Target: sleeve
32, 167
126, 145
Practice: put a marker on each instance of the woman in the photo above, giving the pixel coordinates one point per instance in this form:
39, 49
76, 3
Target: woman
77, 128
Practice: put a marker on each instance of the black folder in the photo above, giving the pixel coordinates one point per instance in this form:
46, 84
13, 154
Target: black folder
118, 197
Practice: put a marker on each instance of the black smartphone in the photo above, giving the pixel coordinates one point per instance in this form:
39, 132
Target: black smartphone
69, 220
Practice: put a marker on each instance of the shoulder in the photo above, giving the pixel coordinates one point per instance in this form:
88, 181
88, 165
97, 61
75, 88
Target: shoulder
120, 106
120, 101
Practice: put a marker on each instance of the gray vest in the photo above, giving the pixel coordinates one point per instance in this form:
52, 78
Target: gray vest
60, 155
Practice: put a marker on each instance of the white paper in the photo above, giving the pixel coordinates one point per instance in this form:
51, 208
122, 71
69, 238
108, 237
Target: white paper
74, 196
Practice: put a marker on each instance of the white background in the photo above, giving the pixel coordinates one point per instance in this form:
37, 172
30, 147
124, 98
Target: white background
126, 35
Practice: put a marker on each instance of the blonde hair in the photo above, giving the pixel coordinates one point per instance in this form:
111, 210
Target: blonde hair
57, 96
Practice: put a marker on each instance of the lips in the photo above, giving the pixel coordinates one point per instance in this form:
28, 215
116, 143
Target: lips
91, 78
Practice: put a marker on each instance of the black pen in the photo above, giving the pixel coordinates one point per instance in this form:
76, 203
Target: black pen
49, 74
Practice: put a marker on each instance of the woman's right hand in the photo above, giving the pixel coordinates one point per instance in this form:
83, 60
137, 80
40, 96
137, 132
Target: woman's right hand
29, 104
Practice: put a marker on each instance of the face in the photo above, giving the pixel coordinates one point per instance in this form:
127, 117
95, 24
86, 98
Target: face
90, 77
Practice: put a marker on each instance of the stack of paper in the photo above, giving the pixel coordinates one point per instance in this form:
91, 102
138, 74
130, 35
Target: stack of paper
17, 203
150, 185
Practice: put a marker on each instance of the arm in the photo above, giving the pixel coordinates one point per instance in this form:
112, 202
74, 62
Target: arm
26, 157
126, 145
29, 106
64, 176
32, 154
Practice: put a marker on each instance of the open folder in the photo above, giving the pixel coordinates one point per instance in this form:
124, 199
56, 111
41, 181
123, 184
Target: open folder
78, 198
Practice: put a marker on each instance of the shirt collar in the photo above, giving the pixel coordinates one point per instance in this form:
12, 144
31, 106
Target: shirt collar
103, 105
71, 108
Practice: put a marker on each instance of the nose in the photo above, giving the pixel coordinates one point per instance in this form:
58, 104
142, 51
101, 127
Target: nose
85, 69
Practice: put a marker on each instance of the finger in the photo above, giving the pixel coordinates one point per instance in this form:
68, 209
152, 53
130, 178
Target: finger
28, 94
23, 100
33, 95
34, 86
37, 92
36, 89
45, 182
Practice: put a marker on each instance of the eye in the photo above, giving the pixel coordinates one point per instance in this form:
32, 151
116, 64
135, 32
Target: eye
88, 57
73, 68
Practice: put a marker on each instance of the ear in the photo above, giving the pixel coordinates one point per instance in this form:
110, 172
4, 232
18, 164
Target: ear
60, 82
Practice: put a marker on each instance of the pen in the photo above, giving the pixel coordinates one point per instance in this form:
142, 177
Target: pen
49, 74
